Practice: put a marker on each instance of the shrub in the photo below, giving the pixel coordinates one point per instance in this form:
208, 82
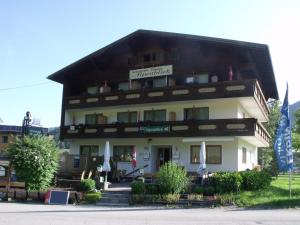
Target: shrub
152, 189
152, 198
137, 187
199, 190
92, 197
172, 178
171, 198
137, 198
208, 191
227, 199
142, 179
195, 197
87, 185
255, 180
225, 182
35, 159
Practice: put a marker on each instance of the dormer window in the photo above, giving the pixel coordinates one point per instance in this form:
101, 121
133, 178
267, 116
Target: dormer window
147, 57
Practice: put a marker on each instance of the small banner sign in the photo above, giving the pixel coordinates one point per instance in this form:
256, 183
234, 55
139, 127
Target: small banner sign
155, 129
37, 130
151, 72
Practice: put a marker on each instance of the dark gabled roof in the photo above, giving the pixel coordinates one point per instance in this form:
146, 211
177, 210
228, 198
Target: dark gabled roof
10, 128
59, 76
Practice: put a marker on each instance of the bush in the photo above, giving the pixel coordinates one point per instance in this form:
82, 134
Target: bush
208, 191
172, 179
227, 199
87, 185
199, 190
35, 159
225, 182
138, 198
92, 197
137, 187
255, 180
152, 189
171, 198
142, 179
195, 197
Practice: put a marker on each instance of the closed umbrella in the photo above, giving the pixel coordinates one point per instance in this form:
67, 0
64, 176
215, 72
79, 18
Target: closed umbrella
106, 165
202, 165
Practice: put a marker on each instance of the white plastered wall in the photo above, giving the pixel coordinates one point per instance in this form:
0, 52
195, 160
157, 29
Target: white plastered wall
229, 152
251, 155
218, 109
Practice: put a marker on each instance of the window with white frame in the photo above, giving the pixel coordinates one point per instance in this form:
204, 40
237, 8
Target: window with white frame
244, 155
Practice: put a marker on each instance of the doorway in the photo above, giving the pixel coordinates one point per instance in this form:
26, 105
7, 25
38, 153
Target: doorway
161, 155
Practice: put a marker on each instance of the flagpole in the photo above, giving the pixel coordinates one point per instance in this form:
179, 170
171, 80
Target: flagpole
290, 183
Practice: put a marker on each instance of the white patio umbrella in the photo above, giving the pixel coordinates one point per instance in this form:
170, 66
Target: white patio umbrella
106, 165
202, 165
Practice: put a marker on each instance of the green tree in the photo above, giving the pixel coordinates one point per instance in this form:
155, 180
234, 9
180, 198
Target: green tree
297, 121
296, 131
35, 159
266, 156
296, 141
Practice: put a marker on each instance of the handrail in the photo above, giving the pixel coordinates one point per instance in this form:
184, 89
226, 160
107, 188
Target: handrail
183, 128
140, 90
132, 172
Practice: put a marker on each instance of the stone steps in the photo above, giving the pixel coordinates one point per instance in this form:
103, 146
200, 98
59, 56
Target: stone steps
113, 198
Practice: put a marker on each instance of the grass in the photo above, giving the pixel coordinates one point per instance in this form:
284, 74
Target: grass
277, 195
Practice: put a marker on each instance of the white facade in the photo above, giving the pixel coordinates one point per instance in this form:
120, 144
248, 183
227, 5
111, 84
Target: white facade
228, 108
237, 153
231, 154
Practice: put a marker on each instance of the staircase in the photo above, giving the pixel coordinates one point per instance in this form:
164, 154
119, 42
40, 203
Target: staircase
116, 195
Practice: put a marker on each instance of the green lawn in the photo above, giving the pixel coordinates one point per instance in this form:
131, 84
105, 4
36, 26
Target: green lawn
275, 196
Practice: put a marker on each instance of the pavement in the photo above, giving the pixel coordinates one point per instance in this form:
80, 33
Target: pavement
39, 214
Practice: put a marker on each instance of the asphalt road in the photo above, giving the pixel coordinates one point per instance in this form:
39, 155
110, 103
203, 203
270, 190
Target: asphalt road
34, 214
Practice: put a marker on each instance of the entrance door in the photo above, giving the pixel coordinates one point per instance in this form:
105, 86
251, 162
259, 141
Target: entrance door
164, 155
89, 157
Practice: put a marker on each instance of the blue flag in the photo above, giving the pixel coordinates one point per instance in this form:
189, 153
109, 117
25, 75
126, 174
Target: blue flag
283, 141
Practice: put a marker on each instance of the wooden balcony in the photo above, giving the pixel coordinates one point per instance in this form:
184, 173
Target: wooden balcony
228, 89
191, 128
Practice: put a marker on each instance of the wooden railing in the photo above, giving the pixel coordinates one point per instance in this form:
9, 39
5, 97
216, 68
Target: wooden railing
260, 98
190, 128
227, 89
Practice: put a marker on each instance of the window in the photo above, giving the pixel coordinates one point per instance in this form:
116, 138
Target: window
123, 153
76, 162
201, 113
155, 115
195, 154
91, 119
89, 150
4, 139
147, 58
244, 155
213, 154
127, 117
2, 171
174, 54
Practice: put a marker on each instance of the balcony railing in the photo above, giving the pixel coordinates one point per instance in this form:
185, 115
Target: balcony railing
191, 128
227, 89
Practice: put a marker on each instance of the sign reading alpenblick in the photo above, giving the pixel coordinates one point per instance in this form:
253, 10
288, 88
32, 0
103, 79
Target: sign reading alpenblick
151, 72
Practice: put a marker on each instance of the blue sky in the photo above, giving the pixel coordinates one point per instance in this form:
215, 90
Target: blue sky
38, 38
